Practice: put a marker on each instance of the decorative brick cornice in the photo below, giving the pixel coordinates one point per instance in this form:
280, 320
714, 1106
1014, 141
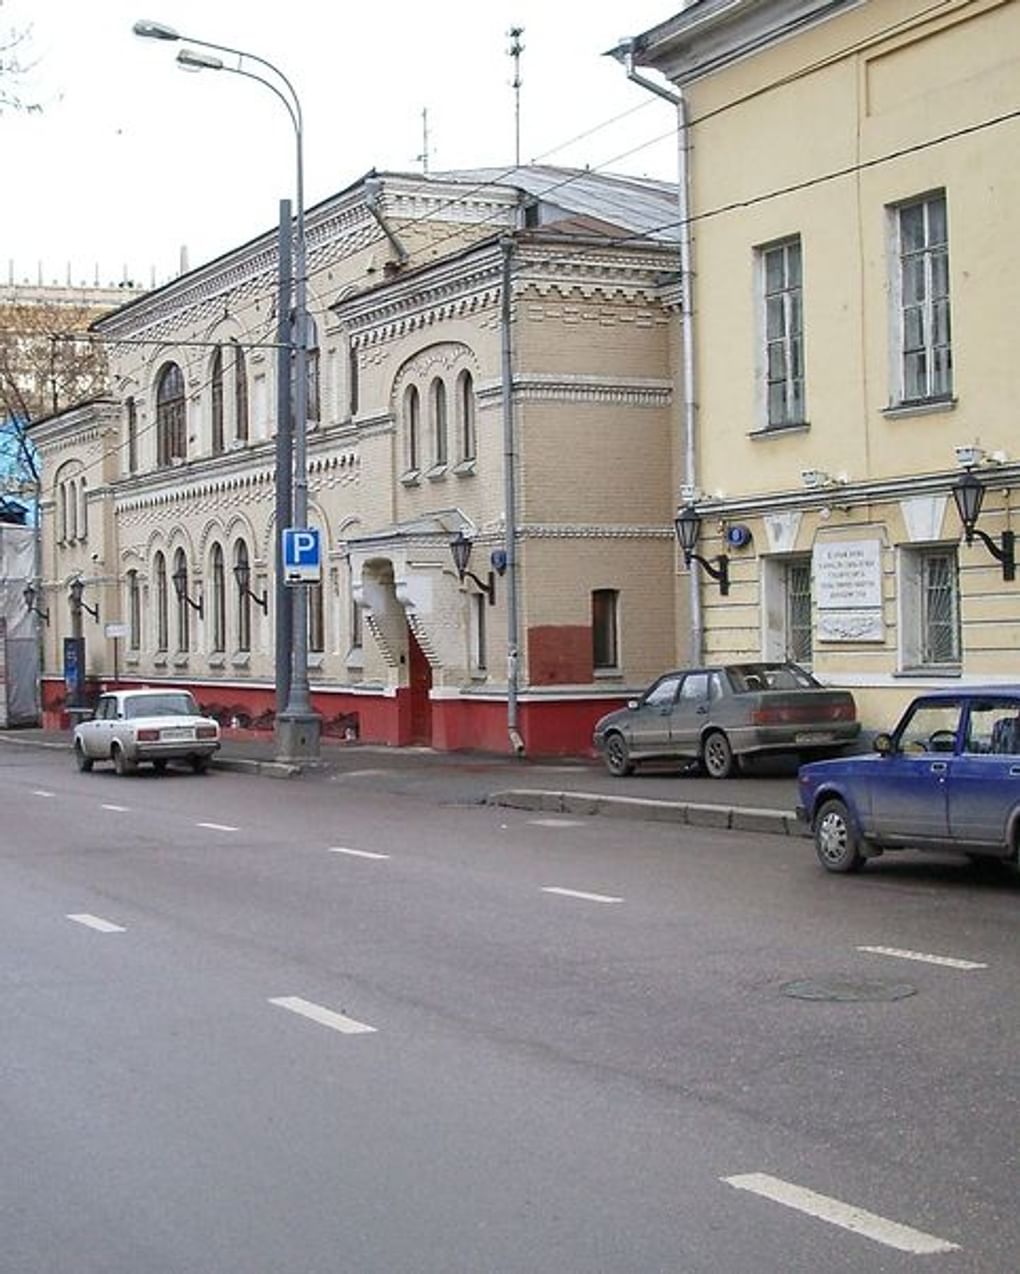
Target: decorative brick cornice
554, 531
612, 390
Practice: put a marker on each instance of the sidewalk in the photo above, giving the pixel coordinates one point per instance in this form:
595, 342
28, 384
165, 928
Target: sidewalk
761, 801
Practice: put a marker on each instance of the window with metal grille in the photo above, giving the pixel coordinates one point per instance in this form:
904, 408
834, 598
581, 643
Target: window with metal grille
798, 611
923, 287
604, 630
784, 334
940, 609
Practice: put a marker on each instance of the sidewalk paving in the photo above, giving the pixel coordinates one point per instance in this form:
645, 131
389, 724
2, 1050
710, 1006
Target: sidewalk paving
761, 801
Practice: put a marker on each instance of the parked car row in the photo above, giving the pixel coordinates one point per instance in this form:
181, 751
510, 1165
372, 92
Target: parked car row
945, 779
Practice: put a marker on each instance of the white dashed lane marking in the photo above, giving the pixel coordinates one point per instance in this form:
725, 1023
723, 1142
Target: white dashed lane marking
38, 791
325, 1017
218, 827
578, 893
555, 822
891, 1233
117, 809
355, 853
949, 962
97, 923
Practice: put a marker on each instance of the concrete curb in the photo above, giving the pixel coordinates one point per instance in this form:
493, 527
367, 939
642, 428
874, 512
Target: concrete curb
692, 814
264, 769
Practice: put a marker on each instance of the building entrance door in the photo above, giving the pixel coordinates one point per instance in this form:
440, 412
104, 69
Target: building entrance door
420, 671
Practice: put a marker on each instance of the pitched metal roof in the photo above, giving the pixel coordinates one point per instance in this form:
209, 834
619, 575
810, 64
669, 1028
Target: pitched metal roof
637, 205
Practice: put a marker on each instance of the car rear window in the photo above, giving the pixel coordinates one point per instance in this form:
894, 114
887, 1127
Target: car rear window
748, 678
168, 705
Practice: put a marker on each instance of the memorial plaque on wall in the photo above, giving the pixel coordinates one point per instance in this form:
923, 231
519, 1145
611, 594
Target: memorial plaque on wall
848, 583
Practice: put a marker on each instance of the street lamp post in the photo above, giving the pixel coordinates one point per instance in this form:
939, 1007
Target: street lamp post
298, 727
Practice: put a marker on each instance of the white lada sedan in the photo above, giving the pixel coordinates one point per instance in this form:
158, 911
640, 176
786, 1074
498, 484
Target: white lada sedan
155, 726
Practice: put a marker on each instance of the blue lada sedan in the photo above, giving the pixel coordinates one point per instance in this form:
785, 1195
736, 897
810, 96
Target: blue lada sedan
946, 779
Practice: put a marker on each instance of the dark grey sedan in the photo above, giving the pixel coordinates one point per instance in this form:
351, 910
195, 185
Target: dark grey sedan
718, 715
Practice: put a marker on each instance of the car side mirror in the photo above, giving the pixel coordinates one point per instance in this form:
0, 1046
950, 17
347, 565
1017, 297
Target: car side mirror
632, 704
883, 744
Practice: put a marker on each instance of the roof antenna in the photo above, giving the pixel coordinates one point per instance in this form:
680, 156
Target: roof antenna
423, 158
515, 51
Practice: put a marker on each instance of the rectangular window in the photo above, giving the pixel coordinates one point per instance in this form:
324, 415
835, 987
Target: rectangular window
922, 289
798, 611
940, 609
479, 654
604, 629
930, 608
783, 330
316, 619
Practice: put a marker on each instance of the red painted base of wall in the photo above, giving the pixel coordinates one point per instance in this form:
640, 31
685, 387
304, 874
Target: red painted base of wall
549, 727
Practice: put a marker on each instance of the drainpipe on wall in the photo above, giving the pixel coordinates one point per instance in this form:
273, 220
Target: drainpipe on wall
690, 402
509, 497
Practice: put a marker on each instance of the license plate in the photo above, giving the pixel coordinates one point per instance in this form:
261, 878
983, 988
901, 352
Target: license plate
177, 732
812, 738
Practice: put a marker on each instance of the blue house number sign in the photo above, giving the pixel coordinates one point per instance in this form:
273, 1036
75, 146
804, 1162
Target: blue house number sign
302, 555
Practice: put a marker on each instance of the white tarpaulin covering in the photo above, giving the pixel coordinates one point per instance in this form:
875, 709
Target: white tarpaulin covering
19, 688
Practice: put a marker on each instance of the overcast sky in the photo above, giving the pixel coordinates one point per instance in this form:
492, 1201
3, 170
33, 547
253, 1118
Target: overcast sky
132, 158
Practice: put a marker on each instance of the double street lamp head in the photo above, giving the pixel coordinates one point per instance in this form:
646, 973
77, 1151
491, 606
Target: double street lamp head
154, 30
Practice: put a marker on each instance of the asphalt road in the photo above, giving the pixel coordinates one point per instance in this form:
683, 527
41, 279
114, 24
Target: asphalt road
336, 1030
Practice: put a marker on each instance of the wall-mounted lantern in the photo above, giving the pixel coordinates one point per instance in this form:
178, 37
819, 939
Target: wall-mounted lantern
180, 582
75, 590
30, 594
969, 493
460, 548
242, 573
688, 528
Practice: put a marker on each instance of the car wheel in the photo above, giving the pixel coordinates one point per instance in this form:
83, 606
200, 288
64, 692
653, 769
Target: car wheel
83, 762
200, 764
836, 842
618, 760
717, 755
120, 762
160, 765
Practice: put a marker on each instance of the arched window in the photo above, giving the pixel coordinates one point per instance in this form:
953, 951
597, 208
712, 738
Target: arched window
219, 599
216, 381
83, 521
353, 387
243, 601
162, 610
240, 395
466, 416
72, 510
63, 511
437, 405
135, 611
171, 429
131, 410
181, 585
412, 428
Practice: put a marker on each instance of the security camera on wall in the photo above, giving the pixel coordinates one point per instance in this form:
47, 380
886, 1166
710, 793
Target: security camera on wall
968, 457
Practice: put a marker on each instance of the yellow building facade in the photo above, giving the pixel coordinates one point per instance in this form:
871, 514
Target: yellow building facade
854, 202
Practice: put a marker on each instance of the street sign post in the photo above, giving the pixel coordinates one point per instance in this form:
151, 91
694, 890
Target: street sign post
302, 555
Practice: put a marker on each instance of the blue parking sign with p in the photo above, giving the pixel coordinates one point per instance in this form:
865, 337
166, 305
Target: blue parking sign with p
302, 555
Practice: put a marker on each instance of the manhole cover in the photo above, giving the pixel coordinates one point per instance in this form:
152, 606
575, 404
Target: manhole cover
847, 990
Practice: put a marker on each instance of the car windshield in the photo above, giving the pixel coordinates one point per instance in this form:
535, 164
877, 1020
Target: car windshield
747, 678
166, 705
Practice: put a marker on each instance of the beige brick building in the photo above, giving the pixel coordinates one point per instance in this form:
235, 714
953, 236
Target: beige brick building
853, 204
463, 324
